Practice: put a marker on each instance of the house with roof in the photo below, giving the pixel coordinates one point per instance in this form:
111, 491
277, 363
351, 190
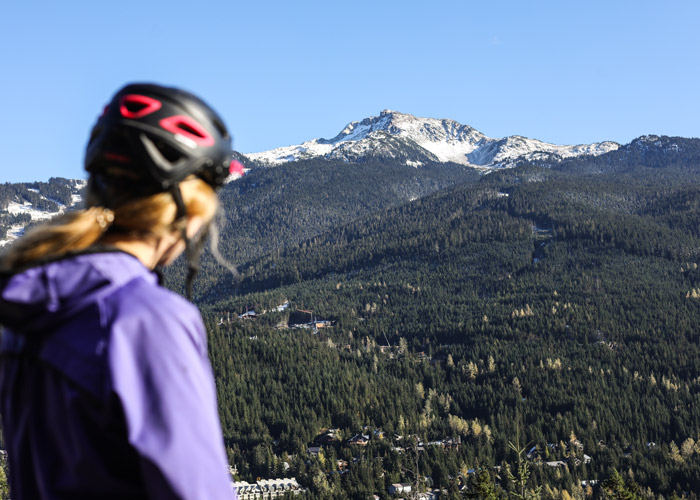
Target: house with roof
359, 440
428, 495
397, 488
246, 491
452, 442
557, 463
327, 437
248, 315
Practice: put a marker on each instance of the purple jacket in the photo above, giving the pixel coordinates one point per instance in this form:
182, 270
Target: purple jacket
106, 390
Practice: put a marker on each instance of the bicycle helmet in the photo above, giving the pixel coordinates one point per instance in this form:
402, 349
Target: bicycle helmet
160, 135
149, 139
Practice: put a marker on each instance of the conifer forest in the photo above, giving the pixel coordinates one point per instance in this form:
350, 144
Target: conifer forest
454, 331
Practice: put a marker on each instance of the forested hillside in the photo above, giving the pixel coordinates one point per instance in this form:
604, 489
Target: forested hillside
540, 306
273, 208
393, 324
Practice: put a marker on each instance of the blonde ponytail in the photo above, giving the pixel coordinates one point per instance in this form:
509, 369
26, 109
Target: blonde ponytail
151, 216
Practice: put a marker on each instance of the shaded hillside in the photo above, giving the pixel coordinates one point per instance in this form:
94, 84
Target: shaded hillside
273, 208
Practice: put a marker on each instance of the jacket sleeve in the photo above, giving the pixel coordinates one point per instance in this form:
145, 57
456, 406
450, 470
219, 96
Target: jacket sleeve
162, 375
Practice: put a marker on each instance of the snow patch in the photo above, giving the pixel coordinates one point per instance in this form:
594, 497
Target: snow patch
27, 208
15, 208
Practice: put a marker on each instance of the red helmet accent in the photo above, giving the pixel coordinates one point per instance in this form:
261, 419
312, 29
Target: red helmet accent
186, 126
140, 106
235, 168
117, 157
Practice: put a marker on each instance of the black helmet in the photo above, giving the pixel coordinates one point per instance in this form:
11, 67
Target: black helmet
160, 135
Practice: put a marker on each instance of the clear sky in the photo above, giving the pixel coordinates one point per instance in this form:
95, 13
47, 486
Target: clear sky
282, 72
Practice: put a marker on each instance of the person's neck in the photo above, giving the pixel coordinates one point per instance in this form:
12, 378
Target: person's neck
150, 252
155, 250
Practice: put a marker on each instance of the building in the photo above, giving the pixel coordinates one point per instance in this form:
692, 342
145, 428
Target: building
397, 488
359, 440
282, 307
428, 495
556, 463
266, 488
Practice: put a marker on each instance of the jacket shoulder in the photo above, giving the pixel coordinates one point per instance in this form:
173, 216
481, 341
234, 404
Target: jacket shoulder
149, 315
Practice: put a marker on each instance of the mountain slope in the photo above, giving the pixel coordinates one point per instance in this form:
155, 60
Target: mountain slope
23, 204
649, 151
271, 209
543, 304
416, 140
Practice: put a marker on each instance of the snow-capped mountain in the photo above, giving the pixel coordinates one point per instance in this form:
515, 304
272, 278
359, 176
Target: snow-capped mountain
414, 140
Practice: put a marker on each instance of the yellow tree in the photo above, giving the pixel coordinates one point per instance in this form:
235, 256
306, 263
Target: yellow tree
674, 453
688, 448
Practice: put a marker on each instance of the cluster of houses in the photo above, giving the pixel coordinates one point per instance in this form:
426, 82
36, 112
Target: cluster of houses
401, 488
274, 488
266, 488
252, 314
330, 436
535, 456
447, 443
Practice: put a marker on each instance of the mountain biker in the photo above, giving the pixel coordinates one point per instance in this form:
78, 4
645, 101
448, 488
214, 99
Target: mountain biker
106, 390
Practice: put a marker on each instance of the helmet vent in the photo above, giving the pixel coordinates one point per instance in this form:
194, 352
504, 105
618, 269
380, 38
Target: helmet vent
189, 128
137, 106
169, 153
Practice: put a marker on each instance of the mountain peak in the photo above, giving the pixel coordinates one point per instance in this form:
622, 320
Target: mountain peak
416, 140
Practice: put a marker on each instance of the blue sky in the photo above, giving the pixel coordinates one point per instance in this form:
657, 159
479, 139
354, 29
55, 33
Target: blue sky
282, 72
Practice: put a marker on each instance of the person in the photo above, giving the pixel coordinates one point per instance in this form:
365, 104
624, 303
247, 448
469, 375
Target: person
106, 390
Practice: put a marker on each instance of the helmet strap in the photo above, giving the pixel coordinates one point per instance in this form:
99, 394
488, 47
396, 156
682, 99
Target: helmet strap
179, 203
193, 248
